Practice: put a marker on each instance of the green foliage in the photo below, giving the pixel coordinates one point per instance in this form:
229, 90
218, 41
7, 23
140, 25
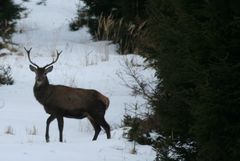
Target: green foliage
9, 10
98, 7
5, 75
8, 13
117, 21
194, 47
139, 129
129, 10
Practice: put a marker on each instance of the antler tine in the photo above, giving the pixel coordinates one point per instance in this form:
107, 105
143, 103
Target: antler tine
28, 54
54, 61
58, 53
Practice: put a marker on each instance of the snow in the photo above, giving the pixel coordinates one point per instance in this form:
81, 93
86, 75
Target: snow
84, 64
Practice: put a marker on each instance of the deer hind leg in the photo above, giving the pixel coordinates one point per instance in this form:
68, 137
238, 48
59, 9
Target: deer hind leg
96, 127
60, 127
106, 127
102, 122
49, 120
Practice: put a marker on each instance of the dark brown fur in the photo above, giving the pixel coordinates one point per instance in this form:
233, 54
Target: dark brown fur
61, 101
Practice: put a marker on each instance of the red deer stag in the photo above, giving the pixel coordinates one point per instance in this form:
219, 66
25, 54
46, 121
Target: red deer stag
61, 101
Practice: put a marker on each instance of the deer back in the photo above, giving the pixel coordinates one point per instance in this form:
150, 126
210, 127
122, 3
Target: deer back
68, 98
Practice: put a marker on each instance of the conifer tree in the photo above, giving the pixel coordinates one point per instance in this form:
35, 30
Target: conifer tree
193, 47
8, 13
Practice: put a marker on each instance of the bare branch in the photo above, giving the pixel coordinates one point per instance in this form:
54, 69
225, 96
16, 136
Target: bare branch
137, 82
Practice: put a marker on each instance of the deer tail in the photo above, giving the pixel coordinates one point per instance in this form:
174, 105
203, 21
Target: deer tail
104, 100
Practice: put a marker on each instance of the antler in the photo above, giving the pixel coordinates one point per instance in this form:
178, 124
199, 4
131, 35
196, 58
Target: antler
28, 53
54, 61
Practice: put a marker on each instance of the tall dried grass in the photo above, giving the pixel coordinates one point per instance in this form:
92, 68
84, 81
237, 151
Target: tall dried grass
119, 31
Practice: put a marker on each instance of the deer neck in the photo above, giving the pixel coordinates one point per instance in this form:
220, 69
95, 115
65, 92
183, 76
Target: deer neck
42, 91
41, 83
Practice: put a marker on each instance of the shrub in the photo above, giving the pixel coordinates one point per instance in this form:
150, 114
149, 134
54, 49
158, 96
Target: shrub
6, 76
118, 21
139, 131
120, 32
9, 130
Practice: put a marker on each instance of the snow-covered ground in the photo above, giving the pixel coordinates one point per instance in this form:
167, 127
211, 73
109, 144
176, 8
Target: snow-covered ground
84, 64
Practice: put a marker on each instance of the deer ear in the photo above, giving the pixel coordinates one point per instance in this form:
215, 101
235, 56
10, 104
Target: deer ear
49, 69
32, 68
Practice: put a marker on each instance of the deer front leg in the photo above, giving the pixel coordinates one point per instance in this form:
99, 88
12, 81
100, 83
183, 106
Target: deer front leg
49, 120
60, 127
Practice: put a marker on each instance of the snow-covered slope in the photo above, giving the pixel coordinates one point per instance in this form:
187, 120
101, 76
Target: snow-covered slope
84, 64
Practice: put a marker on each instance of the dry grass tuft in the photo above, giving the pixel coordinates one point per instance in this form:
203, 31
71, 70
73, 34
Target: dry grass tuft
9, 130
119, 31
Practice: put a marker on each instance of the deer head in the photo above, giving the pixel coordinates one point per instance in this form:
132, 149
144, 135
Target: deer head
41, 72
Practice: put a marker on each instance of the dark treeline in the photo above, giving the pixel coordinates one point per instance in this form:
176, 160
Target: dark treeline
130, 10
194, 46
118, 21
9, 12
